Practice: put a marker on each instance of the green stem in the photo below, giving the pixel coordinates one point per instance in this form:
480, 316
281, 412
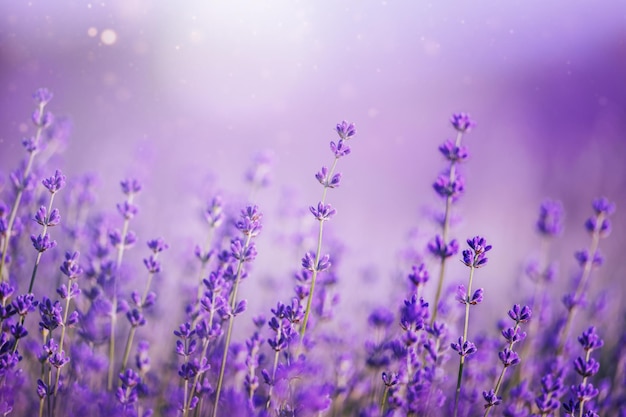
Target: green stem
133, 329
582, 284
501, 377
582, 402
465, 327
444, 235
67, 306
118, 264
233, 303
383, 402
318, 253
43, 233
269, 397
18, 197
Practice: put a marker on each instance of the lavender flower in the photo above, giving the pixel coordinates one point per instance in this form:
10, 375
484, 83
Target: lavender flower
462, 122
550, 221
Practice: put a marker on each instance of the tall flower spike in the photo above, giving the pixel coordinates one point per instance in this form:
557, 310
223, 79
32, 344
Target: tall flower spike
329, 179
243, 251
450, 185
23, 178
473, 258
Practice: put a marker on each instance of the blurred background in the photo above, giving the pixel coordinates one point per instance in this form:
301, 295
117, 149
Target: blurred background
184, 95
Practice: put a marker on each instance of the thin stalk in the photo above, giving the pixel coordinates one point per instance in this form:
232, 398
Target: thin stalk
582, 284
18, 196
444, 235
118, 264
211, 315
465, 326
185, 411
318, 253
45, 229
582, 402
536, 307
233, 302
133, 329
269, 396
207, 245
67, 306
383, 401
205, 345
501, 377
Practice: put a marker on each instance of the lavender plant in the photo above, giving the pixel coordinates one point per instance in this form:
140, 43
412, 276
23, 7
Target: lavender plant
61, 352
450, 186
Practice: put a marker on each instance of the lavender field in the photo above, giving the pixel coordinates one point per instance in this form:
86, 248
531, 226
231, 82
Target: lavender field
316, 209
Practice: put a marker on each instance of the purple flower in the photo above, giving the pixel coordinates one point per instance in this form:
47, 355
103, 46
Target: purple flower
135, 318
157, 245
381, 317
323, 212
586, 368
43, 243
213, 214
322, 177
513, 334
42, 389
54, 183
419, 275
590, 340
73, 291
184, 331
475, 257
461, 296
24, 304
462, 122
6, 291
58, 359
41, 118
491, 399
413, 314
21, 182
449, 187
602, 205
583, 257
508, 357
442, 250
152, 264
308, 262
70, 267
604, 228
18, 331
51, 314
30, 144
142, 359
127, 210
250, 222
572, 407
241, 253
546, 403
42, 96
453, 153
520, 314
550, 221
130, 186
584, 392
463, 348
345, 130
43, 220
390, 379
340, 148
